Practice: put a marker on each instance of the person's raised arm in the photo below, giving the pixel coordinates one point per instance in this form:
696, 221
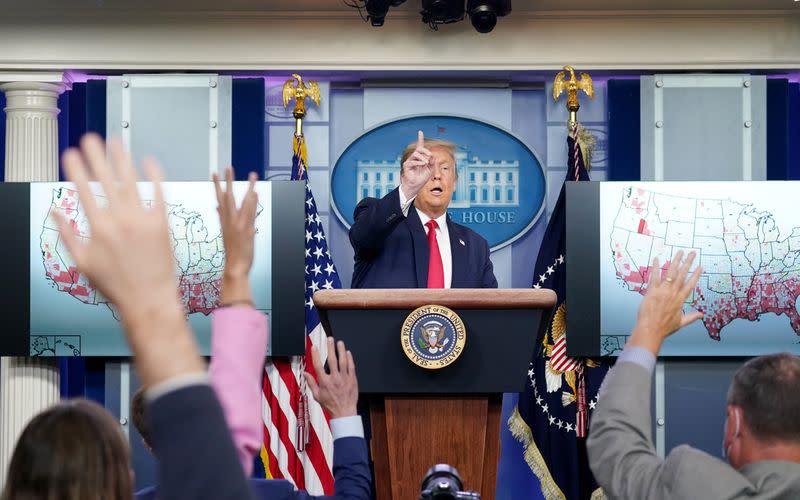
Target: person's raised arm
337, 391
375, 219
416, 169
620, 446
238, 330
128, 258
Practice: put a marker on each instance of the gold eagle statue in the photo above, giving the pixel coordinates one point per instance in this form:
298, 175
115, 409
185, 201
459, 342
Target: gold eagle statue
572, 86
300, 92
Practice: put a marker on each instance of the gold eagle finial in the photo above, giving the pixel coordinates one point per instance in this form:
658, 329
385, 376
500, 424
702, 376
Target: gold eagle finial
301, 91
572, 87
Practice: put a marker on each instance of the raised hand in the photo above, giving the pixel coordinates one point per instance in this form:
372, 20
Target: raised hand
661, 311
337, 391
129, 255
417, 169
238, 235
129, 258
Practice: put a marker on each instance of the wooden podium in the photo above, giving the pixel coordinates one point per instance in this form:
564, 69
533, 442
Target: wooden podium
422, 417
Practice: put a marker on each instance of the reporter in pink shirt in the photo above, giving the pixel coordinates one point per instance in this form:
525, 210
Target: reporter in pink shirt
238, 347
239, 331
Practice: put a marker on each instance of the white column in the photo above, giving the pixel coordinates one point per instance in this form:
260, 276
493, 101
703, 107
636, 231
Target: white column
31, 130
28, 385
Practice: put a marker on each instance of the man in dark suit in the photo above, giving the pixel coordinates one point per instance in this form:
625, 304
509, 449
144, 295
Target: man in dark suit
407, 240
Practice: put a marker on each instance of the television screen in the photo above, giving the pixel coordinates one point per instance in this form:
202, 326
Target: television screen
747, 239
65, 315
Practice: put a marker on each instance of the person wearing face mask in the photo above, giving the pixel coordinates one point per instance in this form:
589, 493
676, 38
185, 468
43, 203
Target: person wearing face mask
407, 240
761, 438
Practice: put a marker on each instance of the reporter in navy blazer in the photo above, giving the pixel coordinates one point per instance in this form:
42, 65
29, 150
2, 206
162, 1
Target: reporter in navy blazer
389, 234
179, 419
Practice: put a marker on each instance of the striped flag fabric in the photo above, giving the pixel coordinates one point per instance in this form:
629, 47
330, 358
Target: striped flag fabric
298, 444
559, 360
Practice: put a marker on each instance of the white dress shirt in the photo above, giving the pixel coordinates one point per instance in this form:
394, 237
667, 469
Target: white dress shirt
442, 236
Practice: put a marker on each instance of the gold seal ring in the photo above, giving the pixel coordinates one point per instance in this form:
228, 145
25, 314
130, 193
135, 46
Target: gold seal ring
433, 336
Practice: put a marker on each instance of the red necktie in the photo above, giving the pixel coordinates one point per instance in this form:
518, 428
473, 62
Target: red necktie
435, 267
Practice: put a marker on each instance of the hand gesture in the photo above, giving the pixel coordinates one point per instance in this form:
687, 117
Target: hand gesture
337, 391
128, 258
238, 235
416, 169
129, 254
661, 311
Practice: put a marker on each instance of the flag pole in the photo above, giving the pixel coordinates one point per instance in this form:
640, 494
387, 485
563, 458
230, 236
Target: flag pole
295, 89
572, 86
584, 141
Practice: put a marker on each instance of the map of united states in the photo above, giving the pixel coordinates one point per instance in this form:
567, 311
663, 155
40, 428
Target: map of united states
199, 260
749, 269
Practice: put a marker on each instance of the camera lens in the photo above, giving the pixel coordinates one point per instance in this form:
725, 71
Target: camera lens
483, 18
441, 482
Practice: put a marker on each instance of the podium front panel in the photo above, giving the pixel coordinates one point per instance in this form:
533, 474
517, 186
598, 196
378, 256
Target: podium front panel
495, 359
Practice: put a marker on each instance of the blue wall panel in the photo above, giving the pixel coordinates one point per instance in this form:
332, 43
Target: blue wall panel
77, 115
624, 143
72, 373
65, 107
793, 132
247, 127
777, 129
96, 107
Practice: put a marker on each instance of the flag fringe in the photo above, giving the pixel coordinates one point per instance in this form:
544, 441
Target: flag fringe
533, 457
598, 495
522, 432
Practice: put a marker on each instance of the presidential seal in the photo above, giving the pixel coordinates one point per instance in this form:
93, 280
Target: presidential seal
433, 337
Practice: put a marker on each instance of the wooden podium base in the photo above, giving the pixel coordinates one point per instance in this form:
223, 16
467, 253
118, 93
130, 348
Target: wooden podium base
410, 434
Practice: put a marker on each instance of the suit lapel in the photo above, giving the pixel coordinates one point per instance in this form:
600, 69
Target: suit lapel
458, 252
420, 243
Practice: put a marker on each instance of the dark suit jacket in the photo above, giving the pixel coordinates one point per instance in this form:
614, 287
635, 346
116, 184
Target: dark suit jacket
391, 250
197, 458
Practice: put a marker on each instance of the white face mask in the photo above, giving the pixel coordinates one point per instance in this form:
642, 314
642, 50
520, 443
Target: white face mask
735, 434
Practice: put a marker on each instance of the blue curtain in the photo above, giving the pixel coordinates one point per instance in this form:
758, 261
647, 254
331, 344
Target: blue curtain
83, 109
793, 107
247, 127
624, 143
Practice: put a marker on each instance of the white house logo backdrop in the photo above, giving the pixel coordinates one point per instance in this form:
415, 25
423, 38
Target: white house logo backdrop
500, 190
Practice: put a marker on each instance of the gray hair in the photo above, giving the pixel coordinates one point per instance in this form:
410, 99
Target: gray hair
767, 388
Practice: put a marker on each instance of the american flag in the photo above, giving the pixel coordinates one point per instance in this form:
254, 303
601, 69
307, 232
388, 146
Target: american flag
298, 444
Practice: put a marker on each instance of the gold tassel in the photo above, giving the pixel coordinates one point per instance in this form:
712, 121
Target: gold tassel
587, 142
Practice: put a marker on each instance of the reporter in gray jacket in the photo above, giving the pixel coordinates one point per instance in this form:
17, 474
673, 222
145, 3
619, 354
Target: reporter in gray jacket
762, 431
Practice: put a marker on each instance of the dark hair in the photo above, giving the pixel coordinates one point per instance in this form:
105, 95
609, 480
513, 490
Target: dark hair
767, 388
74, 450
139, 415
